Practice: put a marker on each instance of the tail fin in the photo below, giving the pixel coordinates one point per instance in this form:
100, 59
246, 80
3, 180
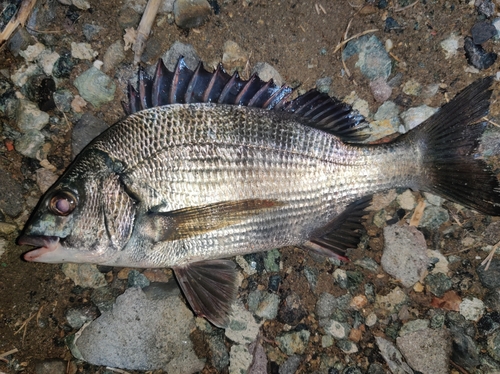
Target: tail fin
449, 140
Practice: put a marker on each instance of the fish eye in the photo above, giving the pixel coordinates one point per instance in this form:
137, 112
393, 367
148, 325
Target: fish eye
62, 203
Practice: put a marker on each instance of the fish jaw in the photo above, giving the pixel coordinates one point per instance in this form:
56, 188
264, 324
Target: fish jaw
51, 250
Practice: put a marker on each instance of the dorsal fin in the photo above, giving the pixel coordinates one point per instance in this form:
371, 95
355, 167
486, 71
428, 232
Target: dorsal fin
183, 85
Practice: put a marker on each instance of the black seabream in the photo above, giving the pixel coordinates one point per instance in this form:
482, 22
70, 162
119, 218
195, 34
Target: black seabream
207, 166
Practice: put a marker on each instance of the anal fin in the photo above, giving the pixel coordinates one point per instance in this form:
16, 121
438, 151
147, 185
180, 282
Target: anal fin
210, 288
342, 233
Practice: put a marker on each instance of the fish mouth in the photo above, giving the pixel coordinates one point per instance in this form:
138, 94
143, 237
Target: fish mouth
49, 248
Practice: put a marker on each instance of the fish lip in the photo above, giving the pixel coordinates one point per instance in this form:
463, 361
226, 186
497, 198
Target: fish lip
45, 245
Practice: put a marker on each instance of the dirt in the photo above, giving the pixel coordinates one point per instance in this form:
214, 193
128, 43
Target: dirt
289, 35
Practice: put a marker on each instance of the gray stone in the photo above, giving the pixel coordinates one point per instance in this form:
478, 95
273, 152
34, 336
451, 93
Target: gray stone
323, 84
405, 253
415, 116
267, 72
381, 91
291, 365
90, 31
240, 359
45, 178
347, 346
51, 367
242, 329
220, 355
128, 17
19, 41
30, 143
434, 217
338, 330
392, 356
438, 283
29, 117
103, 298
494, 345
325, 305
254, 300
137, 279
76, 317
11, 190
311, 275
393, 301
84, 131
113, 56
268, 307
177, 50
85, 275
95, 87
368, 263
234, 58
293, 342
373, 60
490, 278
134, 335
413, 326
191, 13
472, 309
427, 350
62, 99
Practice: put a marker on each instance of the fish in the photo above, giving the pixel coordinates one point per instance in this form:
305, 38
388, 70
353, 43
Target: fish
207, 166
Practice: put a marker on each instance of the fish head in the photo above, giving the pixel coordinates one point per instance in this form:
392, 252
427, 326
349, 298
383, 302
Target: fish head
85, 217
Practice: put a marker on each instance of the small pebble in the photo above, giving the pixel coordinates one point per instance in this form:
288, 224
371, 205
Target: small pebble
450, 45
95, 87
477, 56
490, 278
392, 25
381, 91
472, 309
191, 13
82, 51
482, 32
438, 284
293, 342
266, 72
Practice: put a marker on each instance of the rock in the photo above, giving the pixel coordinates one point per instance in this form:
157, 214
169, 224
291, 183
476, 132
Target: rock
51, 367
311, 275
30, 144
490, 278
291, 365
405, 254
233, 58
412, 326
391, 24
272, 261
392, 302
103, 298
29, 117
85, 275
450, 45
274, 282
392, 356
434, 217
134, 335
95, 87
76, 317
368, 263
113, 56
268, 307
191, 13
485, 8
406, 200
63, 66
338, 330
494, 345
412, 88
83, 51
242, 329
62, 100
84, 131
347, 346
220, 355
267, 72
438, 283
482, 32
47, 60
371, 319
426, 350
31, 53
129, 18
11, 190
465, 351
323, 85
477, 56
291, 310
489, 323
19, 41
381, 91
492, 300
6, 229
293, 342
472, 309
373, 60
177, 50
45, 178
240, 359
20, 76
136, 279
415, 116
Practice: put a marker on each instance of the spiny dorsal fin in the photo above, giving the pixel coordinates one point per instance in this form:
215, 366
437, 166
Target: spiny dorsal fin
183, 86
342, 233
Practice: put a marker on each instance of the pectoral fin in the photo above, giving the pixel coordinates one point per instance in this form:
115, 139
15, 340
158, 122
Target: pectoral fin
342, 233
210, 288
192, 221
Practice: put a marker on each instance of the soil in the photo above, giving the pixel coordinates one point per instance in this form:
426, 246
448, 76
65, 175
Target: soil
290, 35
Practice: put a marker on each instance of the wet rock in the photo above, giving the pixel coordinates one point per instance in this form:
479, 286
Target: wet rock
291, 365
95, 87
426, 350
490, 278
84, 131
268, 307
11, 190
415, 116
450, 45
405, 253
85, 275
233, 57
51, 367
472, 309
113, 56
191, 13
83, 51
477, 56
267, 72
134, 335
29, 117
177, 50
136, 279
291, 311
438, 283
293, 342
63, 66
30, 144
381, 91
482, 32
392, 356
373, 60
76, 317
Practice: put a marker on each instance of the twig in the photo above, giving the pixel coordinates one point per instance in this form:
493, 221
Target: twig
8, 353
322, 9
487, 260
117, 370
490, 121
341, 44
44, 32
25, 326
406, 7
20, 19
144, 28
